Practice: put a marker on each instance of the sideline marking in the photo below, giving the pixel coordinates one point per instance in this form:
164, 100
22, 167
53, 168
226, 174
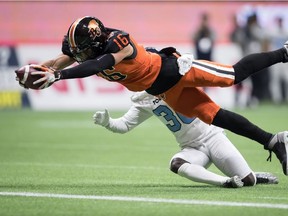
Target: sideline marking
144, 199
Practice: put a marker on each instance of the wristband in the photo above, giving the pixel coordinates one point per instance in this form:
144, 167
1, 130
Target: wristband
57, 75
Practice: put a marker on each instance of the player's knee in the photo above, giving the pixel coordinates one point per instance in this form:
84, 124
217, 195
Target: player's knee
249, 180
176, 163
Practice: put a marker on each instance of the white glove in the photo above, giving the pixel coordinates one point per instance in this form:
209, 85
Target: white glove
185, 63
101, 118
48, 78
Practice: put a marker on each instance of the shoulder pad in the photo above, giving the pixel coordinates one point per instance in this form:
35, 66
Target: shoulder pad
117, 40
138, 96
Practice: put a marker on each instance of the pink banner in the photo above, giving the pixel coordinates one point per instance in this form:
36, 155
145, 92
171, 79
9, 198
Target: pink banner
157, 22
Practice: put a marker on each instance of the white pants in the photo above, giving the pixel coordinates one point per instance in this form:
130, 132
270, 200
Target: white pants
216, 148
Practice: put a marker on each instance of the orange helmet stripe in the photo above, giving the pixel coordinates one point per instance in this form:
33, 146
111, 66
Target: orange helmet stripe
71, 32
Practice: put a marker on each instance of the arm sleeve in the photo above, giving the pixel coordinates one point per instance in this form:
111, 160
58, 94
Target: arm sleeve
134, 117
89, 67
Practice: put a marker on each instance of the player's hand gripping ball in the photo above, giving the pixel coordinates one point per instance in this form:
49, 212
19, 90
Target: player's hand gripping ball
26, 78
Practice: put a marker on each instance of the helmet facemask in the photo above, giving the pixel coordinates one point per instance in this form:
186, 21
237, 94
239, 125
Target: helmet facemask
81, 55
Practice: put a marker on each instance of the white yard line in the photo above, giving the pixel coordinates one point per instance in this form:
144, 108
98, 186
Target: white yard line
80, 165
144, 199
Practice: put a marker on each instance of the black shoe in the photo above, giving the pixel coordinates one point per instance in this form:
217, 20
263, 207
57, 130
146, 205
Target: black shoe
266, 178
279, 145
234, 182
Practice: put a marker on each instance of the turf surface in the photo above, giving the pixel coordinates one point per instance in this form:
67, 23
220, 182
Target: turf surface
64, 153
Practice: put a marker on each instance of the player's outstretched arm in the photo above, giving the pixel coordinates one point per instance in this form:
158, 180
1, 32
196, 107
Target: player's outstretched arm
87, 68
60, 62
103, 119
131, 119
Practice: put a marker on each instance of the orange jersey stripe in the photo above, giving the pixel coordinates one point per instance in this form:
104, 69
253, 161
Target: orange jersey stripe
71, 34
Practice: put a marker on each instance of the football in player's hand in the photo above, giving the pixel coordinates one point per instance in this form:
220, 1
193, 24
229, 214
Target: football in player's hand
26, 79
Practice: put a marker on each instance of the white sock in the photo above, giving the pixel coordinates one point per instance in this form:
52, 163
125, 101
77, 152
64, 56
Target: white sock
200, 174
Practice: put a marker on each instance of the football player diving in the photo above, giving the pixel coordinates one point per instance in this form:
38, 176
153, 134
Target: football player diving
115, 56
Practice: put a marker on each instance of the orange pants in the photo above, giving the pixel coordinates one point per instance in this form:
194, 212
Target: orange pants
188, 99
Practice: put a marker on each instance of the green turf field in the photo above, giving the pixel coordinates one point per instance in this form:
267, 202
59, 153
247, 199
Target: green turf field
60, 163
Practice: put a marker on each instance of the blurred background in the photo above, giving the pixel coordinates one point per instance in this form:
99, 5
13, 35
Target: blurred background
31, 32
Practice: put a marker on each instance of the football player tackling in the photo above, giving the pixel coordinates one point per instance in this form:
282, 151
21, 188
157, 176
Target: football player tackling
200, 144
114, 55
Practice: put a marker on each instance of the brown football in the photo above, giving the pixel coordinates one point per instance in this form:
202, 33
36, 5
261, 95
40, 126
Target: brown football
26, 78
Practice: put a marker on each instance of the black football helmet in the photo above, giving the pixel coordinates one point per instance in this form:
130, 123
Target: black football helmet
86, 38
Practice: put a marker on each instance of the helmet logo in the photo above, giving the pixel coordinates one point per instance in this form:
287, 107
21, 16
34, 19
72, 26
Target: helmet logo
94, 29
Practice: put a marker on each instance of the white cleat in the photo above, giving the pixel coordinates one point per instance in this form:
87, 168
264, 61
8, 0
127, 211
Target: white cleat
266, 178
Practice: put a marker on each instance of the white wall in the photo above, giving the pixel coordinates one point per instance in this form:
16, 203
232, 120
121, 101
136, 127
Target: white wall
90, 93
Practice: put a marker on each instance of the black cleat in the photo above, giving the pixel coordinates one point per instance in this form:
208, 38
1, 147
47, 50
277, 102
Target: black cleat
279, 145
234, 182
286, 54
